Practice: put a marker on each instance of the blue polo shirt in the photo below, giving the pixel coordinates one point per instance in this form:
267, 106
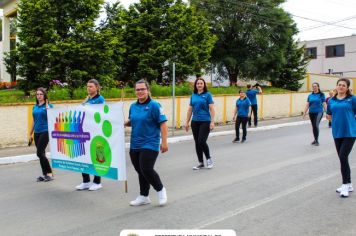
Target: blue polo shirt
243, 107
200, 104
39, 114
251, 94
316, 102
97, 99
343, 116
146, 119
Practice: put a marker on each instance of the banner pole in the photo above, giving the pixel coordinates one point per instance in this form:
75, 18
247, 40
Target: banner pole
126, 187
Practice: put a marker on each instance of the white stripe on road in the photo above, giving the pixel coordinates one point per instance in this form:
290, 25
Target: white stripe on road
264, 201
33, 157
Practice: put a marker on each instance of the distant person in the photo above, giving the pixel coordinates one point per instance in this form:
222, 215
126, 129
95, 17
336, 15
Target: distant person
331, 94
341, 111
315, 106
242, 112
252, 96
94, 97
149, 124
201, 107
40, 131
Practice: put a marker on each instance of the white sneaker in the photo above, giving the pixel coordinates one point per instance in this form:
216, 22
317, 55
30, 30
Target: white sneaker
209, 163
95, 187
351, 189
344, 190
140, 200
83, 186
162, 197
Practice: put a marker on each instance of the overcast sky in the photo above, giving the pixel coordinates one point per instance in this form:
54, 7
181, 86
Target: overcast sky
316, 19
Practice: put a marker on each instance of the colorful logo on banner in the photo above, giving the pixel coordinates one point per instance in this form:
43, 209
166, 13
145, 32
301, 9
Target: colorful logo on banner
68, 130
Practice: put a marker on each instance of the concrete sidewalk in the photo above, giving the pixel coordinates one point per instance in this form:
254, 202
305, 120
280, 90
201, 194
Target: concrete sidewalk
25, 154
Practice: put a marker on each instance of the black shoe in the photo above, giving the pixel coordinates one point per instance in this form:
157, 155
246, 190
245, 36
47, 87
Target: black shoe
198, 167
243, 140
236, 140
47, 178
315, 143
40, 179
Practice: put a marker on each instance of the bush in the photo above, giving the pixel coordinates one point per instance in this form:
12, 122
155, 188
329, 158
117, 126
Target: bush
58, 93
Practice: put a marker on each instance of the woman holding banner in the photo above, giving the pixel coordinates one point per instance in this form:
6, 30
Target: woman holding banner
40, 131
148, 123
94, 97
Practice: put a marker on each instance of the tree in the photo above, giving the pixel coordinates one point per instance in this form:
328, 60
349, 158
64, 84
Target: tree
294, 70
59, 40
253, 36
160, 30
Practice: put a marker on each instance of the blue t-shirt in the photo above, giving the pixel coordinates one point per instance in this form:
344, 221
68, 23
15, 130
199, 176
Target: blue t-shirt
243, 107
316, 101
343, 116
146, 119
97, 99
251, 94
200, 104
39, 114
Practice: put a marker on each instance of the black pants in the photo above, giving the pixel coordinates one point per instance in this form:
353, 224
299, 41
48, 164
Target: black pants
343, 148
201, 130
255, 118
41, 142
239, 121
143, 161
86, 178
315, 119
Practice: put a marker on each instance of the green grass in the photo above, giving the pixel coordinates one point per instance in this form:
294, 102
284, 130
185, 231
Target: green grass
60, 94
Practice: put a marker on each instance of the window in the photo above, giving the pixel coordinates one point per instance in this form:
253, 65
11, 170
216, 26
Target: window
335, 51
310, 53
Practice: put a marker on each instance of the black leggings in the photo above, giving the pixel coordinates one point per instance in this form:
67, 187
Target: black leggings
143, 161
343, 148
86, 178
41, 142
243, 121
255, 118
315, 119
201, 130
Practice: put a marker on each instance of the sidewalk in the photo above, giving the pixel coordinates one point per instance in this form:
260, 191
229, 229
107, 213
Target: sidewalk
25, 154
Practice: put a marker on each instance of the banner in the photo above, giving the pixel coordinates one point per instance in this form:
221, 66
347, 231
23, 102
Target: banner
88, 139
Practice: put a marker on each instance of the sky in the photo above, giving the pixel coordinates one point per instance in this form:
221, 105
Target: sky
316, 19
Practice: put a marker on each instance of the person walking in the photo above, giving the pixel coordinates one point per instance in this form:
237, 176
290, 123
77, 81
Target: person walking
40, 131
252, 96
341, 110
316, 106
149, 124
241, 115
201, 107
94, 97
331, 94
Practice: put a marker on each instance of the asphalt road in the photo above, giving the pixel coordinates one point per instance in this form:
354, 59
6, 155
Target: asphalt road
274, 184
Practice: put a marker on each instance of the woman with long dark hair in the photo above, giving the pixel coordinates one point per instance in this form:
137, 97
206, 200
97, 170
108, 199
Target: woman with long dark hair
201, 107
40, 131
316, 105
341, 111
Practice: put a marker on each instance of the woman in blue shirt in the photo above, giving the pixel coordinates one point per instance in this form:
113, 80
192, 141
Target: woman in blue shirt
148, 123
202, 108
94, 97
40, 130
241, 115
315, 105
341, 111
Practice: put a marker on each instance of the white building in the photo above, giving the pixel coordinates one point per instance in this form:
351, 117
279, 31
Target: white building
9, 12
335, 56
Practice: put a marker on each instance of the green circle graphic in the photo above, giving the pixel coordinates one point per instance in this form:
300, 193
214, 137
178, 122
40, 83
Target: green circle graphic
100, 153
106, 109
97, 117
107, 128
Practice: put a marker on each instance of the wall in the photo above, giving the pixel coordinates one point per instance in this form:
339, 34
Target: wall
17, 119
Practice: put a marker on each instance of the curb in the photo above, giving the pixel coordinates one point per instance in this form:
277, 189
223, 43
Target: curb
33, 157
